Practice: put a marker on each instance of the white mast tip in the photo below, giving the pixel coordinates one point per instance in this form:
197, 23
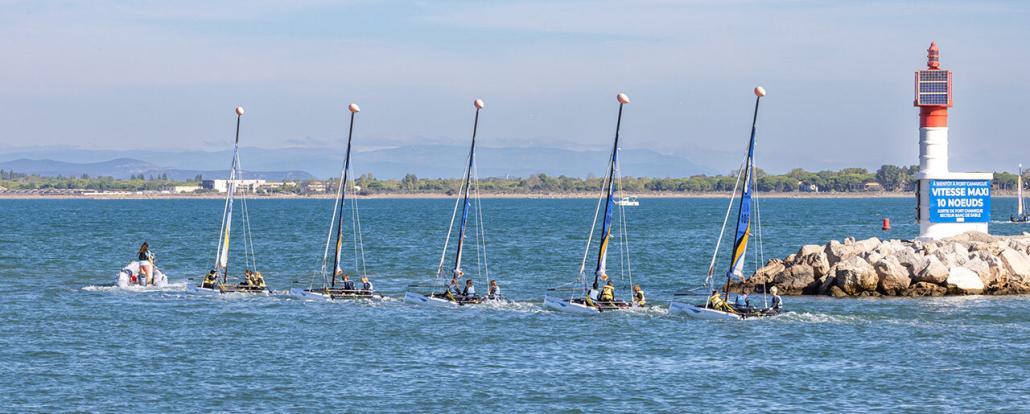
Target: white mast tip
239, 111
623, 99
759, 91
354, 107
479, 104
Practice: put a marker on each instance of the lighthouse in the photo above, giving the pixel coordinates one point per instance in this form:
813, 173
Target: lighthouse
949, 203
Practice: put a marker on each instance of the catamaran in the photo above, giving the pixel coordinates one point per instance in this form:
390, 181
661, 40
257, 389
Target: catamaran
217, 281
457, 293
600, 297
346, 289
716, 307
1021, 216
628, 201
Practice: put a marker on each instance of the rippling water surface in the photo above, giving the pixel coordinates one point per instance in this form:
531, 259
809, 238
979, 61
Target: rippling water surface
67, 342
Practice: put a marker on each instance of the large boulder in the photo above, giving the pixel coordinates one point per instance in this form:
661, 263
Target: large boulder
766, 273
982, 269
819, 263
855, 275
1016, 263
794, 279
837, 251
867, 245
925, 289
910, 260
934, 272
809, 249
893, 278
964, 281
961, 253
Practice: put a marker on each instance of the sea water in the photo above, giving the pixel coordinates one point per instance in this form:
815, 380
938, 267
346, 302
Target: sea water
69, 342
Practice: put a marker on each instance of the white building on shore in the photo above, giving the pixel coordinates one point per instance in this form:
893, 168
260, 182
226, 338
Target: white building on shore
222, 186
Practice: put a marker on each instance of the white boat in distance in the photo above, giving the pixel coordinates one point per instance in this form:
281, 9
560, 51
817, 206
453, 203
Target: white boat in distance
628, 201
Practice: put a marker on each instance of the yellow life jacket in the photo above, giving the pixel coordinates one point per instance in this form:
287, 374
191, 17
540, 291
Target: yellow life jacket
640, 297
607, 293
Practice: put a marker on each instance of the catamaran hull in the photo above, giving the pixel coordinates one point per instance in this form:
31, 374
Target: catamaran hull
316, 295
419, 299
197, 290
693, 311
301, 293
565, 305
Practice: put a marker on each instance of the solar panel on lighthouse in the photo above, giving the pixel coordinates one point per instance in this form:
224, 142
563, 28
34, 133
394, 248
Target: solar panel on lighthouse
933, 88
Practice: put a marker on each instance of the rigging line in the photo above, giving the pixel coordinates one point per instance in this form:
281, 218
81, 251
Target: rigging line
590, 237
625, 232
354, 229
248, 237
722, 231
358, 231
329, 237
231, 188
478, 220
761, 248
482, 227
447, 240
361, 237
221, 229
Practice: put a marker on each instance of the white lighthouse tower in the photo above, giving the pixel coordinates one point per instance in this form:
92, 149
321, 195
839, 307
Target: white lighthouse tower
950, 203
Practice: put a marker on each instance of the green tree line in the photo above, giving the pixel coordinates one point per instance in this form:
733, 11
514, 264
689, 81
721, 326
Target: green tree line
886, 178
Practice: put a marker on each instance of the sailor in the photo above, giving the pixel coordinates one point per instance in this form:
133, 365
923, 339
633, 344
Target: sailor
347, 283
777, 301
454, 289
210, 280
366, 286
146, 263
607, 292
494, 292
715, 302
259, 280
743, 300
248, 278
638, 296
469, 291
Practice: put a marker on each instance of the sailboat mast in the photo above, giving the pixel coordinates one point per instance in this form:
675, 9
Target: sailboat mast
1019, 192
467, 183
223, 251
744, 209
353, 108
608, 192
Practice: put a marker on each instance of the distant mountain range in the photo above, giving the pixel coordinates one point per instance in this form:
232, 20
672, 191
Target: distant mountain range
426, 161
127, 167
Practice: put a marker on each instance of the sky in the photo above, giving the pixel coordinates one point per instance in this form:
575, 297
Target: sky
167, 75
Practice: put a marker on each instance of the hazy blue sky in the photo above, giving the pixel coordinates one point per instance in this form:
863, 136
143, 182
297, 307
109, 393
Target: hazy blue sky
156, 74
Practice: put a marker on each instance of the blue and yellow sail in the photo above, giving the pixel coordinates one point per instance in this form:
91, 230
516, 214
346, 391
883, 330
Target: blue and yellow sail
742, 236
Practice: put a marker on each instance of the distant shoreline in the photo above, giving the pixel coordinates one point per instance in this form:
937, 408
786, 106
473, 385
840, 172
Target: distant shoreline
590, 195
706, 195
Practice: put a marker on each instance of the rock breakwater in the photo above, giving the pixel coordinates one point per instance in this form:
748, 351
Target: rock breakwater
967, 264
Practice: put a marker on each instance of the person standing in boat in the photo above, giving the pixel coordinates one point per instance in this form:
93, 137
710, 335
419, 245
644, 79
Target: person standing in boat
146, 264
347, 283
494, 291
638, 296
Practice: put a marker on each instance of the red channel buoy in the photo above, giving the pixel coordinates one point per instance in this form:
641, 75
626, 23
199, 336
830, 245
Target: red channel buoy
886, 224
